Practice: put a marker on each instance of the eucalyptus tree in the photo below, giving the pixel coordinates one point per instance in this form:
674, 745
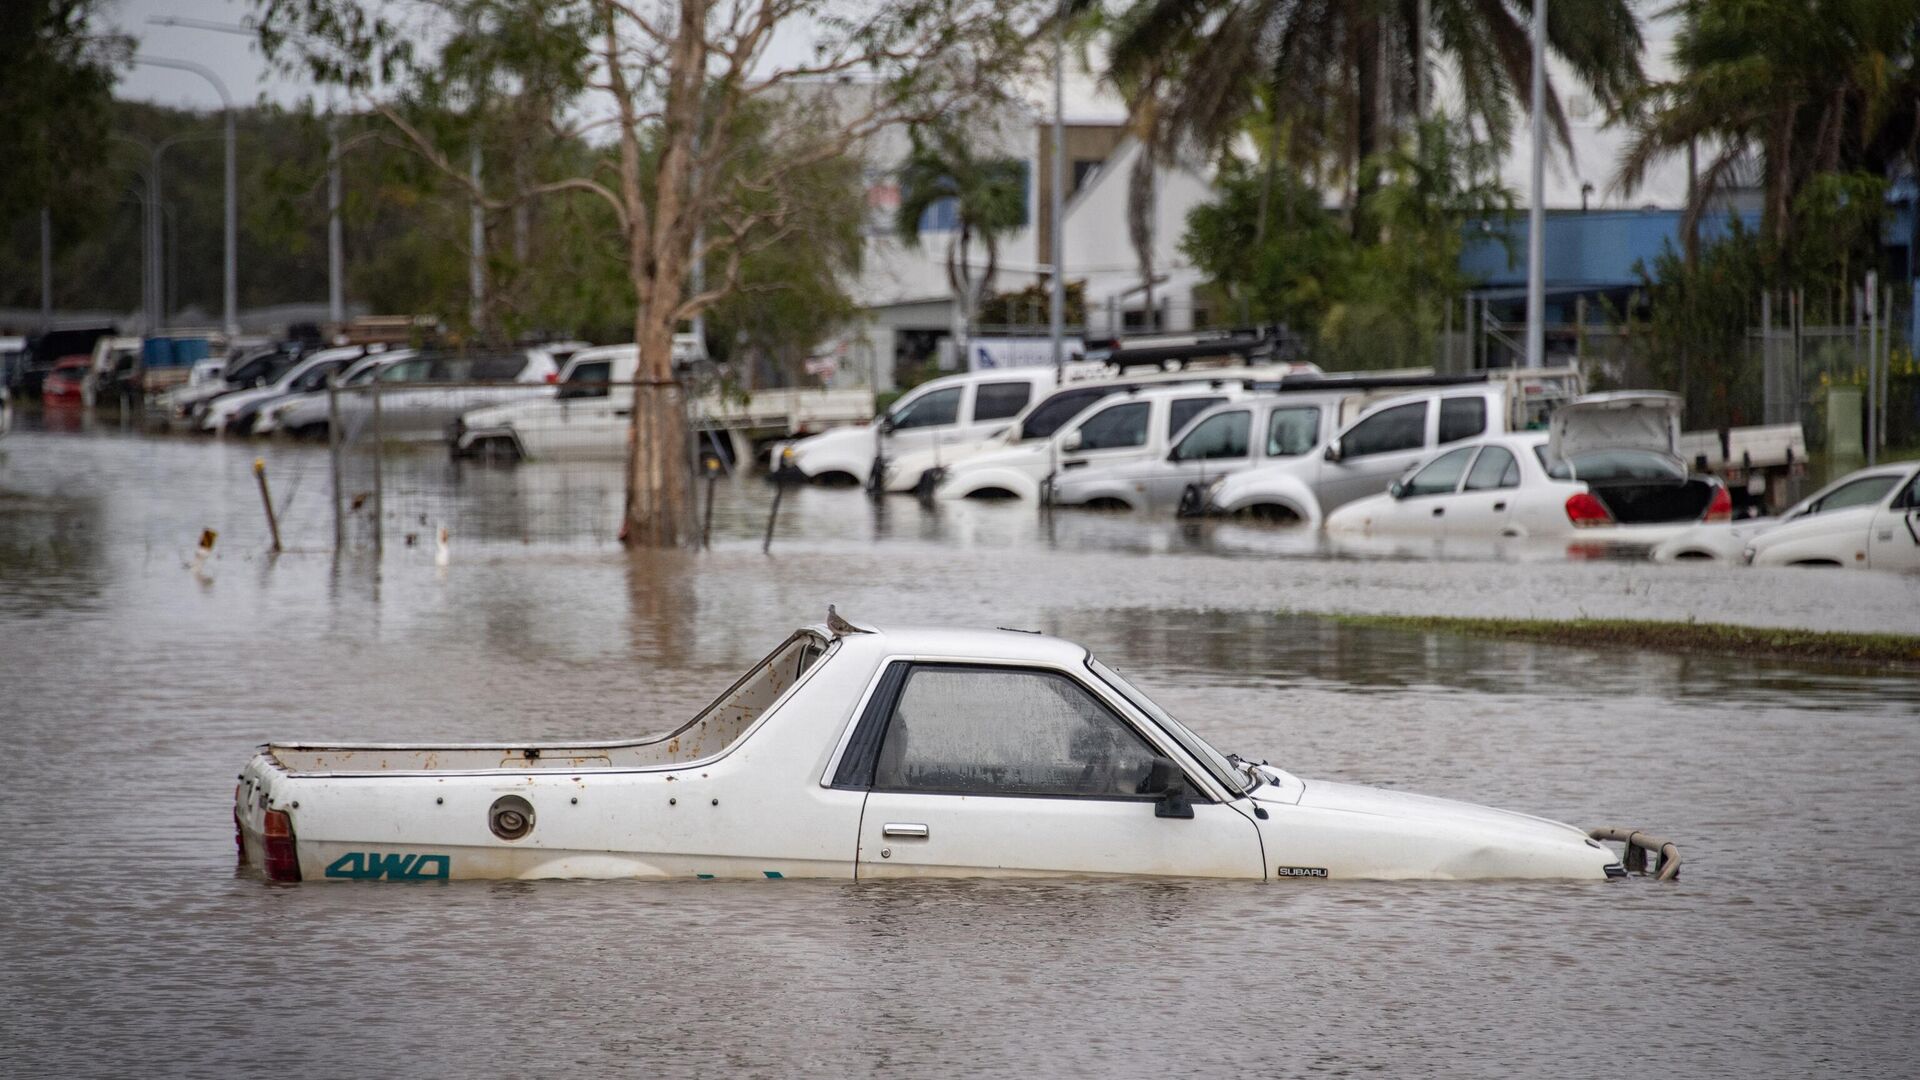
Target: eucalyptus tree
989, 199
660, 83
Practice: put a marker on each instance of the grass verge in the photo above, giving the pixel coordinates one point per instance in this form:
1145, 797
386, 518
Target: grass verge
1817, 646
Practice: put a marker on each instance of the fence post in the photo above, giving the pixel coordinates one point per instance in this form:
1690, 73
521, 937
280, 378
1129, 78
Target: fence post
379, 466
333, 456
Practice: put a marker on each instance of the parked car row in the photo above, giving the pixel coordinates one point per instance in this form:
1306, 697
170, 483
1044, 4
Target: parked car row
1869, 519
1520, 455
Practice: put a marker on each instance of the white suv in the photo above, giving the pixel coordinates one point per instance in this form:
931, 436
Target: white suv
948, 412
1124, 426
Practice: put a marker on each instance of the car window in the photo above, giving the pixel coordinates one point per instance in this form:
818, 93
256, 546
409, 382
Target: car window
1046, 417
315, 377
1910, 497
1116, 426
935, 409
508, 366
999, 400
591, 371
1291, 432
1462, 418
1862, 492
414, 370
1494, 468
1403, 427
1220, 436
1185, 409
1439, 476
1006, 731
1620, 464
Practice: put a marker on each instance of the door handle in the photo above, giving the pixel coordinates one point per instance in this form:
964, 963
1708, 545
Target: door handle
1499, 506
904, 829
1073, 464
1439, 510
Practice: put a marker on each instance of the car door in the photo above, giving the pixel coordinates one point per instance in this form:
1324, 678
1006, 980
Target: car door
1162, 477
1894, 541
1483, 508
1216, 445
1424, 499
923, 421
1115, 433
1372, 452
1011, 770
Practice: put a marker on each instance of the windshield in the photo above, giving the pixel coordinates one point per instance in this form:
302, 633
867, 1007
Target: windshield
1216, 763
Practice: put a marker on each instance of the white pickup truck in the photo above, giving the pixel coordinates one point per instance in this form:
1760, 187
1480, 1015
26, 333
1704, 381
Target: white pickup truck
851, 752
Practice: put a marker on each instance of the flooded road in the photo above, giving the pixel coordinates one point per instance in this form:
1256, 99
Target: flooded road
132, 689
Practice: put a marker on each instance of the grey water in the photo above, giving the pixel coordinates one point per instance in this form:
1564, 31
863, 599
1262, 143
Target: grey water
133, 687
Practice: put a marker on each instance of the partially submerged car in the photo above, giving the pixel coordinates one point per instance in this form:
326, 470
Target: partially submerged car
854, 752
1605, 471
1869, 520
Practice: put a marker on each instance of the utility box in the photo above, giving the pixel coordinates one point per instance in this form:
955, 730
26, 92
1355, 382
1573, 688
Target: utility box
1846, 449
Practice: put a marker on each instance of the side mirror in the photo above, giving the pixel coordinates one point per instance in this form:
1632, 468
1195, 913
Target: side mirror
886, 424
1165, 779
1070, 442
1333, 450
1397, 489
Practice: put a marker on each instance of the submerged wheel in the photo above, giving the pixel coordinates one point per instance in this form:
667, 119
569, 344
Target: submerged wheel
1268, 514
496, 449
837, 478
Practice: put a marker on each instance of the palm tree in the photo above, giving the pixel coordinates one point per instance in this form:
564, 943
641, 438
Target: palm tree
989, 197
1343, 77
1781, 92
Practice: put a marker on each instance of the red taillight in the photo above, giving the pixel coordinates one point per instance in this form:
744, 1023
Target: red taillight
1585, 511
553, 376
1721, 508
281, 863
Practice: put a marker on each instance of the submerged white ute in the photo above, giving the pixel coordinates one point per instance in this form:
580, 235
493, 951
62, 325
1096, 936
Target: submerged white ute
860, 752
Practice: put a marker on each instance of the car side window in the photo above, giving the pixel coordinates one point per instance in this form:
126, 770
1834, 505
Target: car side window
414, 370
1441, 476
999, 400
1185, 409
502, 368
939, 408
1292, 432
1216, 437
1462, 418
1057, 409
1403, 427
1909, 498
1007, 731
1494, 468
1862, 492
1116, 426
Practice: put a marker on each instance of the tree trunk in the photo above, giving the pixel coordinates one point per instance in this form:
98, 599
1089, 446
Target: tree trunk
659, 485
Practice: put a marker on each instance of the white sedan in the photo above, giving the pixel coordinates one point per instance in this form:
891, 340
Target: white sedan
1512, 486
1869, 520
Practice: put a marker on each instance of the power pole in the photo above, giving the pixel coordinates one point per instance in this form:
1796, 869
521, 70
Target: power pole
1057, 298
476, 244
46, 267
1536, 213
336, 243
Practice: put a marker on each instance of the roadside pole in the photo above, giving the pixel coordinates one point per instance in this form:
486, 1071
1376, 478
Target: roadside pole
333, 453
379, 466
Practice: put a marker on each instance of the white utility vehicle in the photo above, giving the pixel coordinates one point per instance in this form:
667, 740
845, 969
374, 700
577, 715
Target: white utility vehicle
1225, 439
855, 752
591, 411
1125, 426
947, 413
1869, 520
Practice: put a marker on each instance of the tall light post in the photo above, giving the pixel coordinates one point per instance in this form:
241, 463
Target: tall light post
156, 296
1057, 296
232, 292
1536, 213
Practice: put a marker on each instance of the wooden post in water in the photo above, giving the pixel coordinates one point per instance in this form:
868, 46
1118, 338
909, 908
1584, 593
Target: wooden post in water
266, 500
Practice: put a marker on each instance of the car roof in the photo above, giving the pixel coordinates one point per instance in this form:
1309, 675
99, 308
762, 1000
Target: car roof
974, 645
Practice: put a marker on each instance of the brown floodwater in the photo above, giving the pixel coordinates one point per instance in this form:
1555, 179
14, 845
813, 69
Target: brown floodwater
132, 688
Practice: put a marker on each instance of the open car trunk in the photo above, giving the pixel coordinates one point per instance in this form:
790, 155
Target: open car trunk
1651, 502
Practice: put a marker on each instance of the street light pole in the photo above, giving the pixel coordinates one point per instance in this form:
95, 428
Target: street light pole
1057, 298
46, 267
1536, 213
336, 244
232, 290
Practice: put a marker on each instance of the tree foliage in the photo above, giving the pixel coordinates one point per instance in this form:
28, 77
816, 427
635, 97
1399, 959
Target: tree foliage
56, 82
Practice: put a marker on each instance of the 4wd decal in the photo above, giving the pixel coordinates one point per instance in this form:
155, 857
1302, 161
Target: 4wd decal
1278, 871
371, 866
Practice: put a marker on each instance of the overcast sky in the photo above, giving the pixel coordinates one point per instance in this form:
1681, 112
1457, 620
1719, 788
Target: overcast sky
235, 59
